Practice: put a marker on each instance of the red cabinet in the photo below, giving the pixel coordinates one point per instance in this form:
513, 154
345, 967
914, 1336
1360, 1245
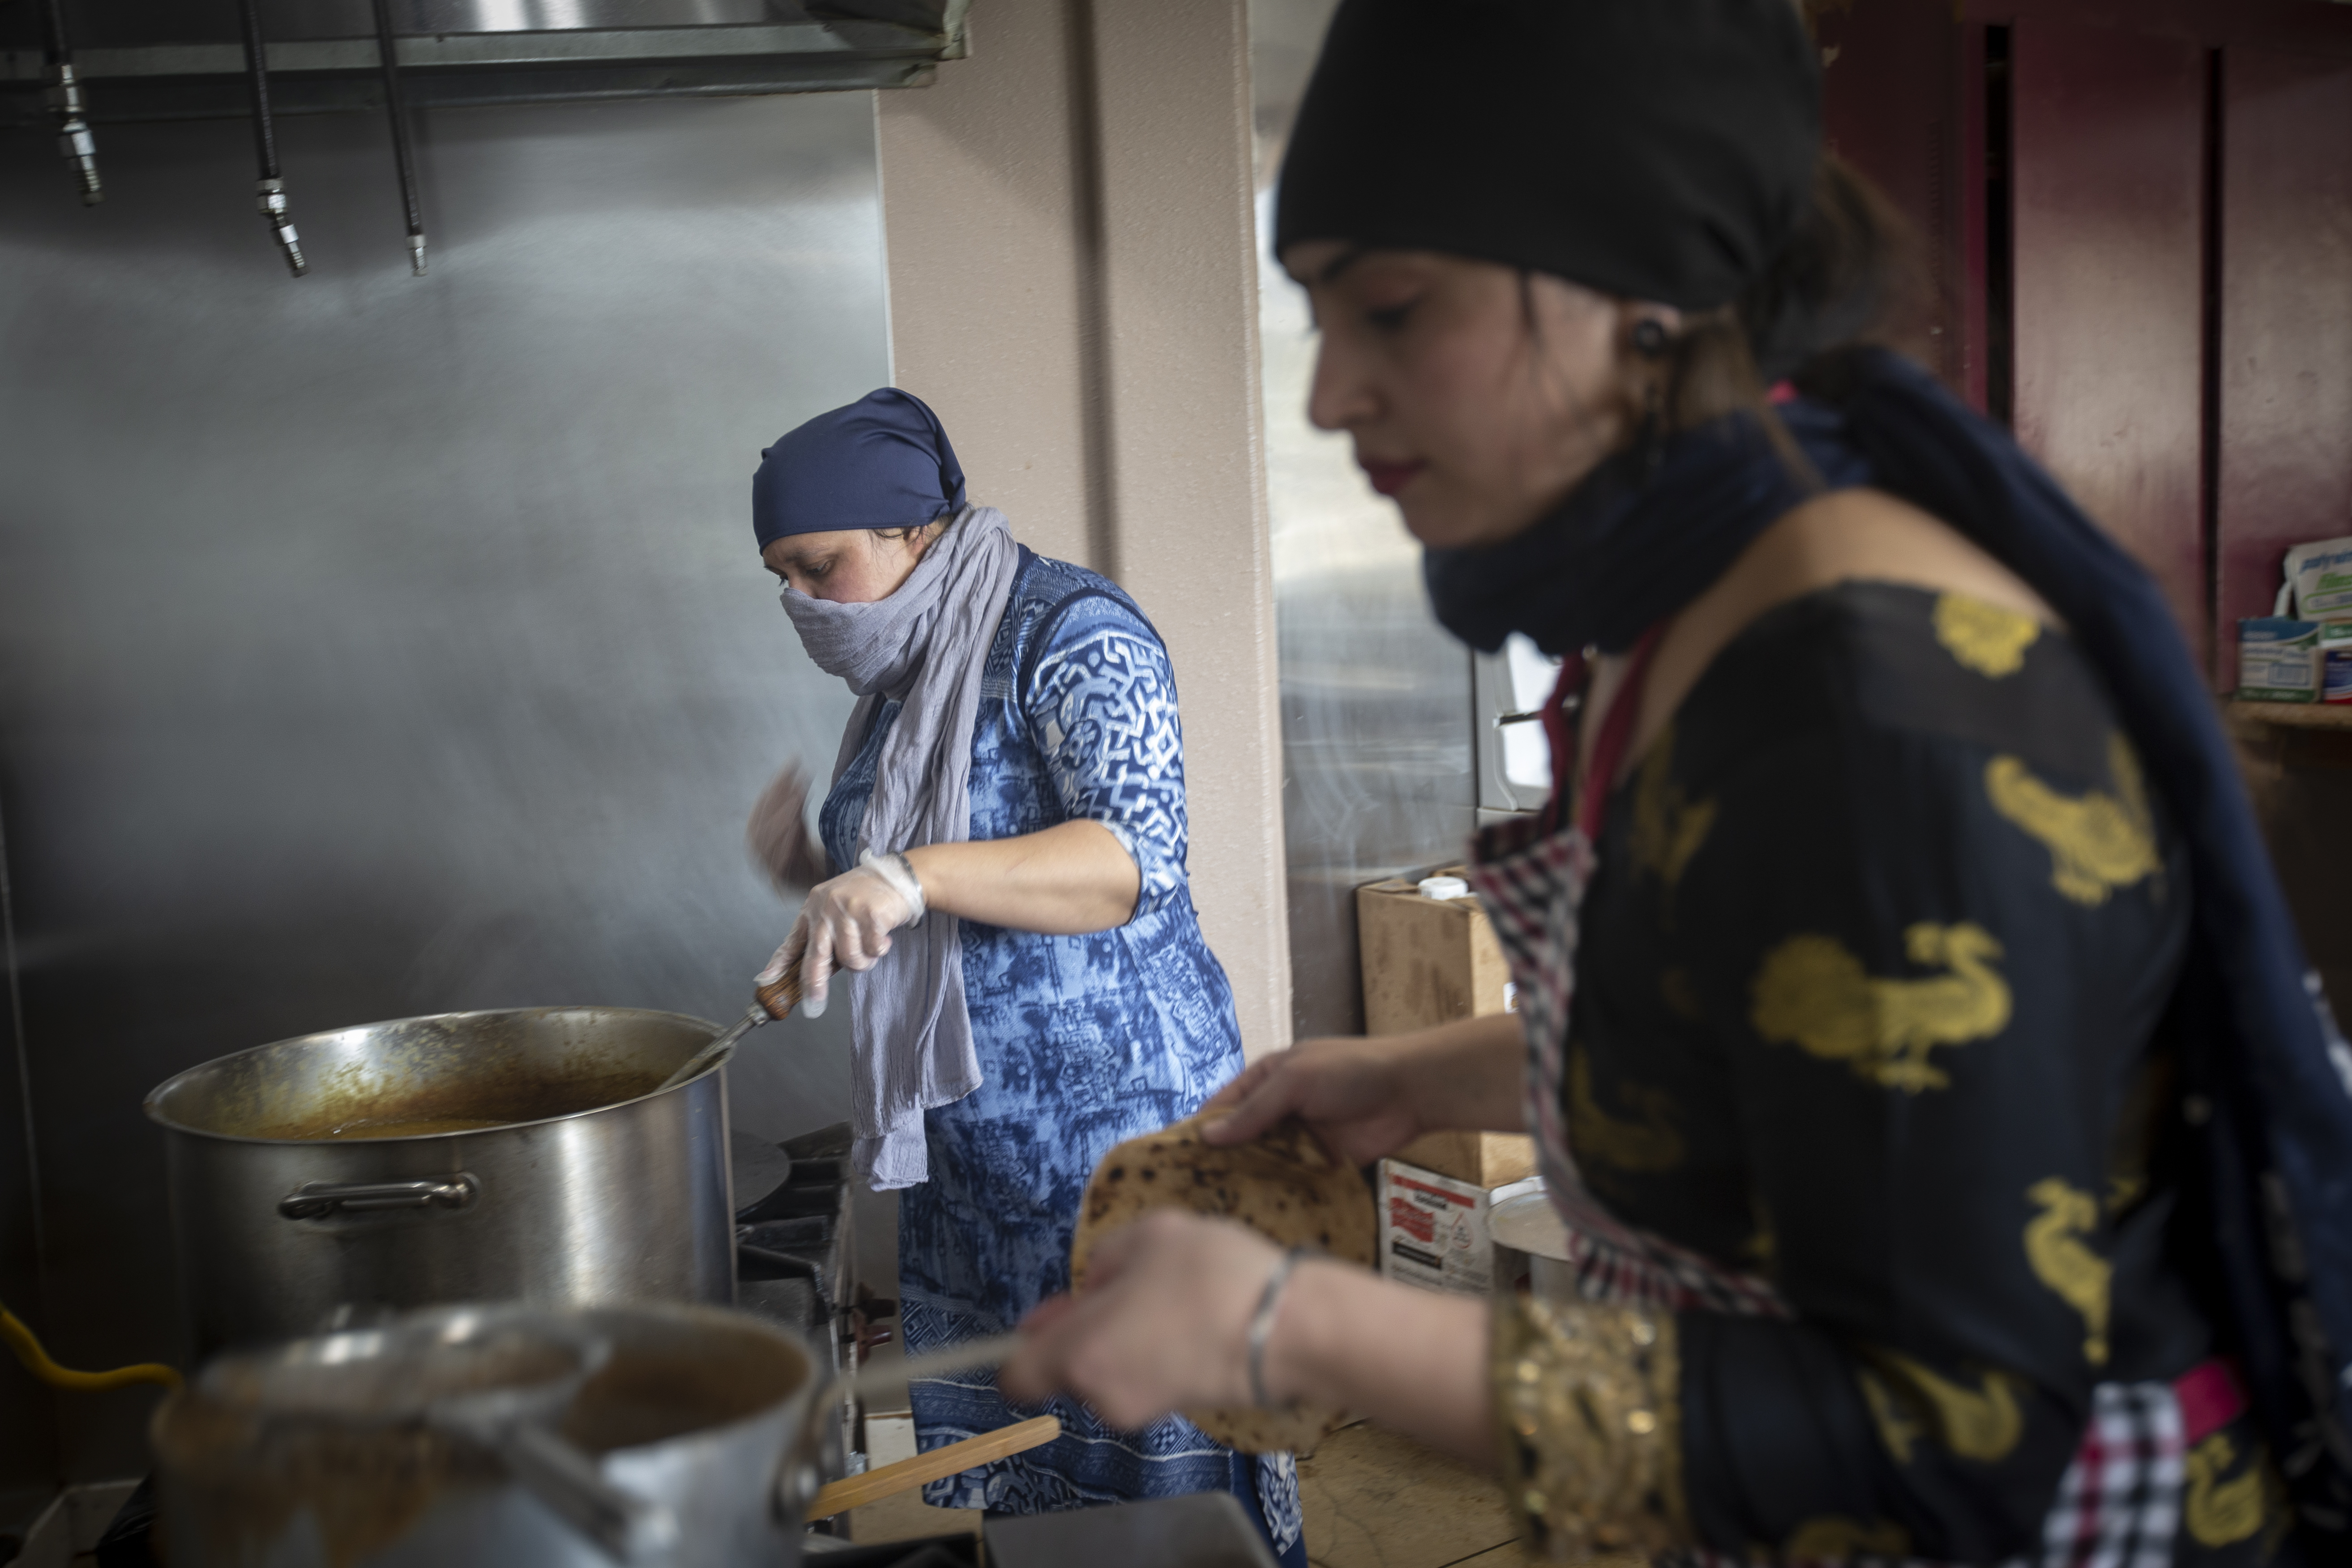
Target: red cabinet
2284, 376
2107, 265
2141, 220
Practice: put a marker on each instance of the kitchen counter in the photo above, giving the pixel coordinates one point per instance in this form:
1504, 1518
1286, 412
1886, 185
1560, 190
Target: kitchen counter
1372, 1500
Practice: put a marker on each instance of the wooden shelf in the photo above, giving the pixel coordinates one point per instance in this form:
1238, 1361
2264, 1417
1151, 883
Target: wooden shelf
2293, 715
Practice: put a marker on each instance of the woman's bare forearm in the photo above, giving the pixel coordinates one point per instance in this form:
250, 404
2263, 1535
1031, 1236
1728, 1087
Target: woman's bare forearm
1471, 1074
1415, 1361
1063, 880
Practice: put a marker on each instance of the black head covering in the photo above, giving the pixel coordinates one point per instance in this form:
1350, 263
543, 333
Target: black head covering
1653, 149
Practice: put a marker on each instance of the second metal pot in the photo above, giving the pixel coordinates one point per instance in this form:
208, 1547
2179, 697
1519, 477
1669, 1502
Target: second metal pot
283, 1458
586, 1187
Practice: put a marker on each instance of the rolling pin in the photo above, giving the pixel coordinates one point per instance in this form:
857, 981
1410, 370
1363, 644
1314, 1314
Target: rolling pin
774, 1002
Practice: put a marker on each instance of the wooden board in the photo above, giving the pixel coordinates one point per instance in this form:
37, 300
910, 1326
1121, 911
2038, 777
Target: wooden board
2293, 715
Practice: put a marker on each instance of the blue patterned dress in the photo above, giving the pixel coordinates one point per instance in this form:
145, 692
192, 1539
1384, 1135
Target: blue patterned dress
1084, 1041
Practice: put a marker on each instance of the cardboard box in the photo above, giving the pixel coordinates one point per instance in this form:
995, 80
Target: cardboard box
2335, 661
1434, 1230
1486, 1159
2278, 659
1426, 960
2319, 585
1431, 961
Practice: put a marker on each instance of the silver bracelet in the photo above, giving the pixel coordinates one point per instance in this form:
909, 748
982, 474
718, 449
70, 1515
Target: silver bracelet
899, 872
1261, 1327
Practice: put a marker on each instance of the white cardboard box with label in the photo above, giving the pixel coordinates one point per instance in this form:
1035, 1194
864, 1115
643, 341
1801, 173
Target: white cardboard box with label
1434, 1230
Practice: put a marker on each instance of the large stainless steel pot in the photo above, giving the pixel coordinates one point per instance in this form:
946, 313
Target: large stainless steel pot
688, 1415
591, 1188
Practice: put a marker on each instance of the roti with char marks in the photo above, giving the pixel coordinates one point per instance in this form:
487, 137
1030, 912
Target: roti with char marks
1284, 1185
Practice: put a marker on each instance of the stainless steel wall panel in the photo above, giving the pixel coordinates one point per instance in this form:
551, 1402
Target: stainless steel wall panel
28, 1456
373, 646
1380, 774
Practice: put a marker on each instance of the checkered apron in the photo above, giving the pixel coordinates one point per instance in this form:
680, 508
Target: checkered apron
2118, 1505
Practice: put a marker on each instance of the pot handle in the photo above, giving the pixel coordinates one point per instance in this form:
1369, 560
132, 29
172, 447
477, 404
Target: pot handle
315, 1200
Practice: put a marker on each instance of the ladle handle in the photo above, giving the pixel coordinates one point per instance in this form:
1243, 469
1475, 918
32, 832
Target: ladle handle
971, 1453
775, 1001
870, 1383
781, 996
626, 1527
799, 1478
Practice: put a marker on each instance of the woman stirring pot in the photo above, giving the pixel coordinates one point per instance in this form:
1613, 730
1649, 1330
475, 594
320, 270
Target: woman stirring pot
1005, 837
1921, 1054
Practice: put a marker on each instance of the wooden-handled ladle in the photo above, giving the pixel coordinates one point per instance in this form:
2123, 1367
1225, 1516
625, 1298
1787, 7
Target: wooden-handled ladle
775, 1001
798, 1495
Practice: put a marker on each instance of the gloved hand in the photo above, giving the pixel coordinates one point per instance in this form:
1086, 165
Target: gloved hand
846, 922
778, 837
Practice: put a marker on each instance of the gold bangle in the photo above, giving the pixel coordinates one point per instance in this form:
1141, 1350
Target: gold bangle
1589, 1402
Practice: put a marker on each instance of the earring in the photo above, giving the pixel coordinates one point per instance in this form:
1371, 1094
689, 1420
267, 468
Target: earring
1652, 342
1653, 436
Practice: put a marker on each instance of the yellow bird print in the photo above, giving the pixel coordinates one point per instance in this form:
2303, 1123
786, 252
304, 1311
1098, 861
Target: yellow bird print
1909, 1402
1833, 1538
1667, 827
1814, 992
1650, 1144
1986, 638
2220, 1511
2097, 842
2054, 1245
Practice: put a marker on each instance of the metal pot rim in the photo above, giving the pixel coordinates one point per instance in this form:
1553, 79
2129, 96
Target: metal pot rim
153, 1112
579, 1318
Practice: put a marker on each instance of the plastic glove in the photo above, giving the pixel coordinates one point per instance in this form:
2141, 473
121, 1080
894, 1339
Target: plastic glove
778, 837
845, 923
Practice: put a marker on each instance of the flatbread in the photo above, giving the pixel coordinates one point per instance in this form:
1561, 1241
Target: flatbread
1284, 1186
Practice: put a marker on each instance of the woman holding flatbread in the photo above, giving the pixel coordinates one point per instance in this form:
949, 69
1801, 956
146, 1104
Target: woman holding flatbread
1957, 1160
1000, 865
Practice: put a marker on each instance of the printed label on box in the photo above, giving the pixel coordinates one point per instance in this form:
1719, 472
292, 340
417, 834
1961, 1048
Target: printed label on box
2278, 659
1434, 1230
2319, 580
2335, 661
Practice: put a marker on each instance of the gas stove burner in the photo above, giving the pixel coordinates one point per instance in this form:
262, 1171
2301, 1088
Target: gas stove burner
792, 1238
800, 1233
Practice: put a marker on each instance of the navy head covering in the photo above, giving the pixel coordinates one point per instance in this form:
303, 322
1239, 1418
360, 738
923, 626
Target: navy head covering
880, 462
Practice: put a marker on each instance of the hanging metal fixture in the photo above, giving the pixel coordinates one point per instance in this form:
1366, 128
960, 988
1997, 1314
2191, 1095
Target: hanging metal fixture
271, 191
148, 62
179, 61
64, 102
387, 58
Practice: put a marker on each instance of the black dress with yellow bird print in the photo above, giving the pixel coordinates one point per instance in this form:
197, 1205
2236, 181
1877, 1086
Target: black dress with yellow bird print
1870, 1001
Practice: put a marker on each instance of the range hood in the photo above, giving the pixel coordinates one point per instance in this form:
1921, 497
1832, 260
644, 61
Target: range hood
65, 65
185, 60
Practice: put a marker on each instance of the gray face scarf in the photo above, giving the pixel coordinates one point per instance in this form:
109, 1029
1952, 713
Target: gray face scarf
910, 1036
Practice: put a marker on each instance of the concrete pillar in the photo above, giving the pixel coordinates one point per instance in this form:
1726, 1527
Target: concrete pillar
990, 217
1072, 285
1187, 465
